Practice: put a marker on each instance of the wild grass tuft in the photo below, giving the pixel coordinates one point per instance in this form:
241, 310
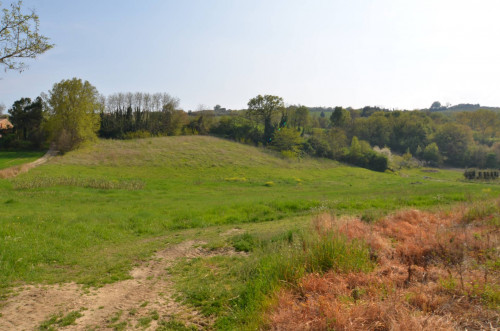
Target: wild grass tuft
60, 320
244, 242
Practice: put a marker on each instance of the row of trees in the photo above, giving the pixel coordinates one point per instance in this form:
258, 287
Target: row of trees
73, 112
67, 116
460, 139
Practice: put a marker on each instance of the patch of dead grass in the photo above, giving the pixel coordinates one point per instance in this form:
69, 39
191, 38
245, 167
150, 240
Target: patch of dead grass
434, 272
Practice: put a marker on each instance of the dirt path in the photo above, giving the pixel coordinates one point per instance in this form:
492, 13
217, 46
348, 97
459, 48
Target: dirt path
19, 169
121, 304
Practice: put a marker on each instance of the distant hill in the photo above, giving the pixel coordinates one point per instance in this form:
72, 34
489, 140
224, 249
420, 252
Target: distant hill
456, 108
462, 107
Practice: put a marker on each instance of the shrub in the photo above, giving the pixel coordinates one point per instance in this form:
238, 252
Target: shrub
288, 140
244, 242
137, 134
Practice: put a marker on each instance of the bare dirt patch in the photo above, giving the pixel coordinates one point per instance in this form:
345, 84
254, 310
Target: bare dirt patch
147, 296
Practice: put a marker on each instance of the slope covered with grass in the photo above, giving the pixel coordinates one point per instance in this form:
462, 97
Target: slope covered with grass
87, 215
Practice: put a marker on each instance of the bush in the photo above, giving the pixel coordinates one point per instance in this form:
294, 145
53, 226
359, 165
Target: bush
287, 139
315, 146
137, 134
244, 243
377, 162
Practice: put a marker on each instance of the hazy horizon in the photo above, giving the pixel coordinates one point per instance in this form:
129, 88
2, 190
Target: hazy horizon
392, 54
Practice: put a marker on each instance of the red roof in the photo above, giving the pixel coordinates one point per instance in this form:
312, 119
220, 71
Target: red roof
5, 124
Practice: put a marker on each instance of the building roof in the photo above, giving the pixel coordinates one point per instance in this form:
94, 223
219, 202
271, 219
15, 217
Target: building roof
5, 124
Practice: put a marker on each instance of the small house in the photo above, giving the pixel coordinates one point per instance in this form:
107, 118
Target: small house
5, 125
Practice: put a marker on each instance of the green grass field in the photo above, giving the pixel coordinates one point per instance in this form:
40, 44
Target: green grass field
10, 159
89, 215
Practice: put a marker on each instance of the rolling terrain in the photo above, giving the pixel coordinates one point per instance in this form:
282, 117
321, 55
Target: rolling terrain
96, 216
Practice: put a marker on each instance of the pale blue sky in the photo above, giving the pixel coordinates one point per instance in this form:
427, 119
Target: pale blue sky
390, 53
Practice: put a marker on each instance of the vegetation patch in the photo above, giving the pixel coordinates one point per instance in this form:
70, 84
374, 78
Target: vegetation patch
174, 325
434, 271
244, 242
116, 198
60, 320
234, 290
103, 184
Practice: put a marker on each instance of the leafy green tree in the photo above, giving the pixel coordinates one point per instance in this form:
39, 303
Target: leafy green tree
337, 140
409, 130
27, 117
299, 116
265, 108
477, 156
361, 154
431, 154
286, 139
419, 152
453, 141
495, 149
340, 117
355, 152
318, 146
175, 120
376, 129
436, 105
483, 121
73, 113
20, 37
491, 161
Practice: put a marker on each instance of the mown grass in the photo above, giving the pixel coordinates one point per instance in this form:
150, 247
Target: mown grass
10, 158
78, 218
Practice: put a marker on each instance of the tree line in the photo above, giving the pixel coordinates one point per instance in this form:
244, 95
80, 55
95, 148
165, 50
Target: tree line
73, 113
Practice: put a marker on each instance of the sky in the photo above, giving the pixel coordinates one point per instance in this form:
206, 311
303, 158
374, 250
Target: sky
388, 53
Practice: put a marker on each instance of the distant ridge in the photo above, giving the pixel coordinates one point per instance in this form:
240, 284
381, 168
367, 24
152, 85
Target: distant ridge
455, 108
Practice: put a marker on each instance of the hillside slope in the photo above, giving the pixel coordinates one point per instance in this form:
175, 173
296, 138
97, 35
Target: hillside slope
114, 198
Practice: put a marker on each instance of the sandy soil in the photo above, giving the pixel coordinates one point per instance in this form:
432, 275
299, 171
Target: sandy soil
104, 307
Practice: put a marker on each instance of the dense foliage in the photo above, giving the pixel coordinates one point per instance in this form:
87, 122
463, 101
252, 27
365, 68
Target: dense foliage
72, 113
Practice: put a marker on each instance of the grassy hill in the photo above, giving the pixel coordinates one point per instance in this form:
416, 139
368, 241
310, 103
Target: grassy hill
88, 215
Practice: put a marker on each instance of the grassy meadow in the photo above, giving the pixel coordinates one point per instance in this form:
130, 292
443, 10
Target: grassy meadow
90, 215
10, 159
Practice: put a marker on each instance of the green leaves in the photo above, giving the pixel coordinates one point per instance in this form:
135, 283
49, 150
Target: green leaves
19, 37
74, 117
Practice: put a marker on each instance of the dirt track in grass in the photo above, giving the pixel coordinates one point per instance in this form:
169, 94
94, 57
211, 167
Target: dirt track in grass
19, 169
123, 303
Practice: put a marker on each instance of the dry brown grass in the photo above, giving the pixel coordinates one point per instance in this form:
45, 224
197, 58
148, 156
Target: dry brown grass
435, 272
